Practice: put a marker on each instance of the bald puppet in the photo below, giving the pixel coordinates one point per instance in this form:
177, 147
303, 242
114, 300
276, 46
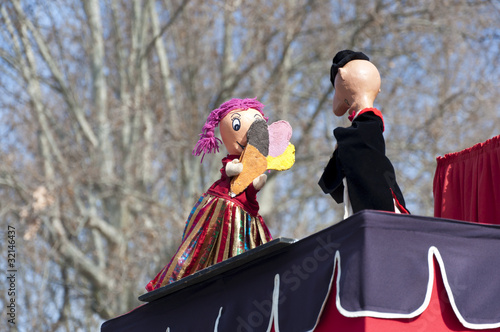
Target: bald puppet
359, 174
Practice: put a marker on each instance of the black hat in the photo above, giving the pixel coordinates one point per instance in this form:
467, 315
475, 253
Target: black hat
342, 58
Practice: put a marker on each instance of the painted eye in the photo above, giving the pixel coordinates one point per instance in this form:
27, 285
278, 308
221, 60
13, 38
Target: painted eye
236, 124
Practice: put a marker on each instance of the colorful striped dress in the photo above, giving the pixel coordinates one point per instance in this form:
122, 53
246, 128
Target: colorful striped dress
218, 227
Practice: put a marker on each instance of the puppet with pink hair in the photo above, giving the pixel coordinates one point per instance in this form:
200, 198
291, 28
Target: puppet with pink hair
225, 221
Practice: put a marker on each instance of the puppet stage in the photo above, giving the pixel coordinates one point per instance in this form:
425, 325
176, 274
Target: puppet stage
374, 271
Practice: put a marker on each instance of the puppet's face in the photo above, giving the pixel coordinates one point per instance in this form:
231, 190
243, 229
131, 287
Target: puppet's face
342, 97
234, 127
356, 87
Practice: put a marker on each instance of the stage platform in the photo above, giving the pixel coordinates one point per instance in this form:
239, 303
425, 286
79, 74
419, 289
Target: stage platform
374, 271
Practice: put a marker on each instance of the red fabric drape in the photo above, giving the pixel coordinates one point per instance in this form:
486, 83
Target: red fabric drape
437, 317
467, 184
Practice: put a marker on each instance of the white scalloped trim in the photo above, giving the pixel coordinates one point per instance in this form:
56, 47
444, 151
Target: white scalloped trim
433, 252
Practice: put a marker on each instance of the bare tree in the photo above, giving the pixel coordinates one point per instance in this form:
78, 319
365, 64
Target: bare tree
102, 103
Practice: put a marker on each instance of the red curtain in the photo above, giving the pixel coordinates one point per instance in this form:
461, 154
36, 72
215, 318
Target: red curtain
437, 317
467, 184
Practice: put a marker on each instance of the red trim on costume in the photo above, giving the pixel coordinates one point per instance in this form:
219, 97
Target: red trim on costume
365, 110
399, 205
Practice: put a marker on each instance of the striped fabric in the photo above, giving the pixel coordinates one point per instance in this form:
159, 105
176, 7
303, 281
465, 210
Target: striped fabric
216, 229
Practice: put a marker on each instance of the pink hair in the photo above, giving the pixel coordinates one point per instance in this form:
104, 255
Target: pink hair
208, 143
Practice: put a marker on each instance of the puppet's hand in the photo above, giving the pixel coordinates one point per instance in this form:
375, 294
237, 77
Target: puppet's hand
234, 168
259, 181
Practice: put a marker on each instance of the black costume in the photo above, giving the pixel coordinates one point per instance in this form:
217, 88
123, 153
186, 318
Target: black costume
360, 158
